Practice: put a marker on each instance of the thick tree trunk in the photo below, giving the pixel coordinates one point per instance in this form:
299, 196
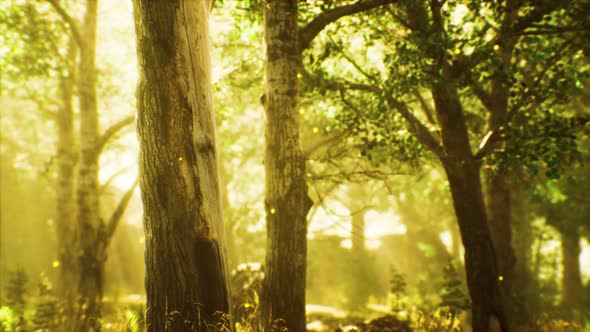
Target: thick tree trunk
500, 216
498, 187
65, 201
286, 200
571, 283
186, 267
463, 173
89, 223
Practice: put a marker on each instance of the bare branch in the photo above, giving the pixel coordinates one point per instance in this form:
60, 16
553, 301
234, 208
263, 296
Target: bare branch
119, 212
313, 28
417, 128
318, 145
425, 107
112, 131
72, 22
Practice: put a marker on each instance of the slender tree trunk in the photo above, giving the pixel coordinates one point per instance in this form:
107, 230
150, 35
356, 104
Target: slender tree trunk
523, 282
463, 173
571, 283
65, 201
186, 281
286, 200
91, 262
359, 294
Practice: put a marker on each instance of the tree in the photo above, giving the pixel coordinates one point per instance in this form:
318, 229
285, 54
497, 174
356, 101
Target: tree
462, 55
186, 282
286, 199
93, 234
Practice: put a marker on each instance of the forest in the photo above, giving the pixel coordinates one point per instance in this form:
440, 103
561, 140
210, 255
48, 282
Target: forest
295, 165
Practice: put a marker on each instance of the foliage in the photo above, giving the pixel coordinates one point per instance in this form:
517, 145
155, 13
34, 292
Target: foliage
9, 319
452, 291
397, 288
47, 315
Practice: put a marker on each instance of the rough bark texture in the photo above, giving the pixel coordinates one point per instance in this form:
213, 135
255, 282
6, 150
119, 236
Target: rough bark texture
186, 281
286, 200
571, 283
65, 201
91, 261
463, 173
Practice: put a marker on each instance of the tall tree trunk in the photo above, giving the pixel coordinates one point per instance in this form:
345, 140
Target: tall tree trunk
186, 268
523, 283
91, 262
463, 173
500, 216
359, 294
286, 199
65, 201
571, 283
498, 187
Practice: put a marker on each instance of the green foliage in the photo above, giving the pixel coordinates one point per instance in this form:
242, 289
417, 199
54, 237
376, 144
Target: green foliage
16, 289
32, 39
135, 318
397, 288
452, 291
47, 316
10, 320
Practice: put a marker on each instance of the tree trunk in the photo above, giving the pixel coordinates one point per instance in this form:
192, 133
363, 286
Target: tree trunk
498, 188
359, 294
523, 284
500, 216
89, 223
286, 200
463, 173
65, 201
186, 268
571, 283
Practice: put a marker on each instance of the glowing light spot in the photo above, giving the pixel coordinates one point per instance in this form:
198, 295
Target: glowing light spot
301, 111
315, 130
180, 158
272, 211
457, 51
299, 75
501, 278
55, 264
496, 47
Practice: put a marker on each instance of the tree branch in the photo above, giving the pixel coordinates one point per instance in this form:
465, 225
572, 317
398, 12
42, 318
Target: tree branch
313, 28
119, 211
72, 22
417, 128
318, 145
112, 131
425, 107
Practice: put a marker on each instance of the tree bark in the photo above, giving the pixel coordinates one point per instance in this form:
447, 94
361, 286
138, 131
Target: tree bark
286, 199
186, 268
91, 262
523, 283
500, 221
65, 201
571, 283
463, 173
